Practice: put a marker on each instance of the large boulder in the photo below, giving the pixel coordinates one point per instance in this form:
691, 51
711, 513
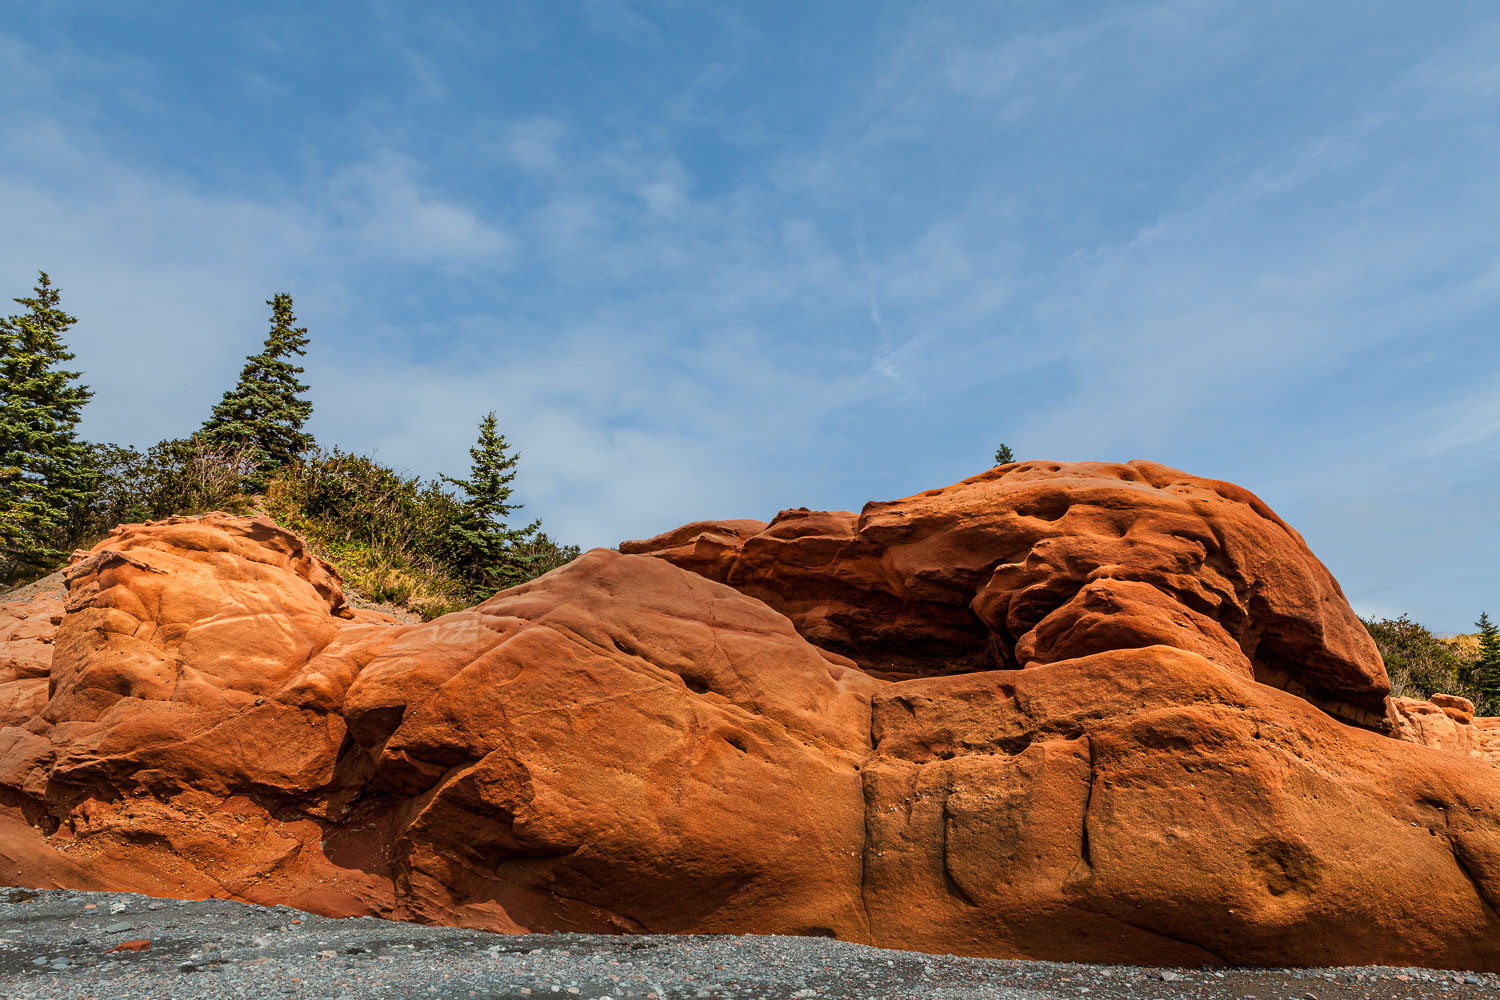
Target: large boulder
1070, 712
1041, 561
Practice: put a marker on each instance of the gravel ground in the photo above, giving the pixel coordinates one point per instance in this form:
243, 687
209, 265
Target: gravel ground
54, 584
58, 945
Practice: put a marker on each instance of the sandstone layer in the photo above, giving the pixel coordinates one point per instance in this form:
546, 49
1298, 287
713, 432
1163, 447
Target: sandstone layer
1448, 723
1037, 562
1086, 711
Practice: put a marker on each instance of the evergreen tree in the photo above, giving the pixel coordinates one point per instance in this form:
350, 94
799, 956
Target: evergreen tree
481, 544
263, 415
45, 471
1004, 456
1487, 668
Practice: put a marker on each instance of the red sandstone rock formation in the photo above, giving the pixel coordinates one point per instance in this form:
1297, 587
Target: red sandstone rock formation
1036, 562
1448, 723
1110, 740
26, 630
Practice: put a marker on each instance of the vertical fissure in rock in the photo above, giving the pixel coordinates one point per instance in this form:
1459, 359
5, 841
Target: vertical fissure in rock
1085, 848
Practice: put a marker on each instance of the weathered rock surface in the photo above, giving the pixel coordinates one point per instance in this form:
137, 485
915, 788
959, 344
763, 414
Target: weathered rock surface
1447, 722
1035, 562
1092, 724
27, 626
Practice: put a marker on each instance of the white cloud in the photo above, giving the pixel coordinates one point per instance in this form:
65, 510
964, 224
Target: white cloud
618, 19
387, 212
533, 144
677, 313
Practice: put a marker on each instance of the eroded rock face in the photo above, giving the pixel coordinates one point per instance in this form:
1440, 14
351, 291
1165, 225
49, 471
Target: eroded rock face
27, 628
626, 744
1447, 722
1037, 562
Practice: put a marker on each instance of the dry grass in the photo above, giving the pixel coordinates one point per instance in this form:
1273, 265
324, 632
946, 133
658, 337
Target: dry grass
378, 574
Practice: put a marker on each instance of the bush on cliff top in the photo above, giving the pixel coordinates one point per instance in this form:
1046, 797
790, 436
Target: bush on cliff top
1421, 664
394, 538
387, 533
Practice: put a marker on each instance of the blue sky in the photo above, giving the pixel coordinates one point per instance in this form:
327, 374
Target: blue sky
712, 260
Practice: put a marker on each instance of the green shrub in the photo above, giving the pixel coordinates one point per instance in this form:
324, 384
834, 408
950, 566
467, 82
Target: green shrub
184, 476
384, 531
356, 499
389, 535
1419, 663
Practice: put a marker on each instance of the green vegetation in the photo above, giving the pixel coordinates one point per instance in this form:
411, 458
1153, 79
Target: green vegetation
1487, 665
262, 416
45, 475
1004, 456
395, 538
1419, 663
384, 531
490, 555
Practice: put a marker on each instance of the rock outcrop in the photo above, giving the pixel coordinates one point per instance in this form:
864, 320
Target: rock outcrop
1037, 562
1447, 722
1053, 711
28, 623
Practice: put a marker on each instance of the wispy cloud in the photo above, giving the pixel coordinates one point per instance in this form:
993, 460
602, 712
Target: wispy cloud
707, 263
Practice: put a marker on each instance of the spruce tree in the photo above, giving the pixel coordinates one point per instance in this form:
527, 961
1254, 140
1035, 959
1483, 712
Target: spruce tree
261, 418
1487, 668
45, 477
482, 546
1004, 456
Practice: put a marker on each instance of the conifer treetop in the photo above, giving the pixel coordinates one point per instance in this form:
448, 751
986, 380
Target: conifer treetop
31, 354
44, 469
1487, 668
495, 553
264, 413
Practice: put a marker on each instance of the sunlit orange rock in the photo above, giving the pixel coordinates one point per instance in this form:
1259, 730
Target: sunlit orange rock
1069, 712
1039, 561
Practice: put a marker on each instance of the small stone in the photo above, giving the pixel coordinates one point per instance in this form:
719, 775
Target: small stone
79, 940
156, 906
1168, 977
117, 908
38, 961
119, 927
1471, 980
187, 967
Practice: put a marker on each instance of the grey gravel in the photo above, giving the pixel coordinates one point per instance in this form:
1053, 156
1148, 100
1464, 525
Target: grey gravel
56, 945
